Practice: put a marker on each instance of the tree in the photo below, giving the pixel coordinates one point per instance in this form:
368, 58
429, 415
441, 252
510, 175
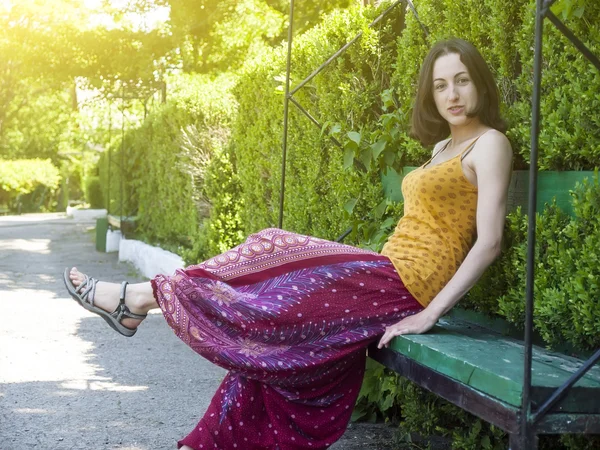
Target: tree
46, 46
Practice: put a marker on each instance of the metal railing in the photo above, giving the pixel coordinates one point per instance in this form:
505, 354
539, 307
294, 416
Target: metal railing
530, 418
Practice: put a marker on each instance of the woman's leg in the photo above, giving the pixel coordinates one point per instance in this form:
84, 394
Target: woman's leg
139, 298
290, 317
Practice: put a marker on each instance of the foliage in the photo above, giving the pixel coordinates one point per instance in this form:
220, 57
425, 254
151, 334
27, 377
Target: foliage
165, 164
570, 94
24, 184
566, 306
570, 8
204, 29
223, 229
93, 193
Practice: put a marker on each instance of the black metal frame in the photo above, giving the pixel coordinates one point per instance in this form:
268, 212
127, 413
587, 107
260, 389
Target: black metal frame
530, 420
523, 424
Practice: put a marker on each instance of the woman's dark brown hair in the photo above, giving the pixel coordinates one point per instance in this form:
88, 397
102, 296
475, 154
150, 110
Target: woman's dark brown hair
427, 124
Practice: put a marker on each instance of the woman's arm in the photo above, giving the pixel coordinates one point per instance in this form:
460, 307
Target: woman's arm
491, 161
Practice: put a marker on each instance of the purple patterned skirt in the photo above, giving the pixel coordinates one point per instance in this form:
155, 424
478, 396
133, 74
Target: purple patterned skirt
289, 316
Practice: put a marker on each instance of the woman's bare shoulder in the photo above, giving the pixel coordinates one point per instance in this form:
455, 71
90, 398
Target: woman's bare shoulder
495, 139
492, 153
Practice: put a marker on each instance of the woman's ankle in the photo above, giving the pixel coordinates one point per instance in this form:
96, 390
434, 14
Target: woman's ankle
140, 297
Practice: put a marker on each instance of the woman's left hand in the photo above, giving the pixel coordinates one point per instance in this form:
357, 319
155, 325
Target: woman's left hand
416, 324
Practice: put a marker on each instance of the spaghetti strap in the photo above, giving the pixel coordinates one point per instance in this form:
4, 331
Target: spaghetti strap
467, 150
437, 153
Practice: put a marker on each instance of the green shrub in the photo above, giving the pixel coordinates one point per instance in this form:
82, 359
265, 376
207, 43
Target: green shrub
28, 185
93, 192
223, 229
163, 163
567, 272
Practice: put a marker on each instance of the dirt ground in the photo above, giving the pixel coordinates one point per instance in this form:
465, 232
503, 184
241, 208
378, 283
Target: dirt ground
67, 381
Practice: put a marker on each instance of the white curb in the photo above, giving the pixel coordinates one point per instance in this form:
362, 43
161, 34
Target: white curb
149, 260
86, 214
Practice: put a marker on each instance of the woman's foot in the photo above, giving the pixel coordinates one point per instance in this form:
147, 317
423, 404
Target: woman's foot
139, 298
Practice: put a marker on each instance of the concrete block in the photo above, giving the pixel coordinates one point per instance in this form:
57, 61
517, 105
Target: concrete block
113, 240
86, 214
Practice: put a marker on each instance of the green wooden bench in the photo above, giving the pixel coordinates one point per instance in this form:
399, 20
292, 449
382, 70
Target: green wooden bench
480, 370
127, 225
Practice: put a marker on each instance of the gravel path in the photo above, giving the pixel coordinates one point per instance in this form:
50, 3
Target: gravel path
67, 381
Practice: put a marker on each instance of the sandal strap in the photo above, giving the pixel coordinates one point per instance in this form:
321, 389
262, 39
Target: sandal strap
87, 290
122, 311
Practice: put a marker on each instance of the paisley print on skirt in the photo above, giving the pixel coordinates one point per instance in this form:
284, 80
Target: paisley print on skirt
290, 317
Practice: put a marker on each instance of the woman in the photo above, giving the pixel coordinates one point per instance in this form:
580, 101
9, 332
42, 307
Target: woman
290, 316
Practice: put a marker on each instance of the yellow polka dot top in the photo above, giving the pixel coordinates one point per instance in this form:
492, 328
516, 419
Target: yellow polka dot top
438, 228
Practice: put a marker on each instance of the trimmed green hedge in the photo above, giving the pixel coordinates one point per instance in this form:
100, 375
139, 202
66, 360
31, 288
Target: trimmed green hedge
159, 171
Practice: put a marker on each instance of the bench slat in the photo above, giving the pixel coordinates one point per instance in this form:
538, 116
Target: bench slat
493, 364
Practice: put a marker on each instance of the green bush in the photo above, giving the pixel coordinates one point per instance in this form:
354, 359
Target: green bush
28, 185
567, 272
163, 163
93, 192
223, 229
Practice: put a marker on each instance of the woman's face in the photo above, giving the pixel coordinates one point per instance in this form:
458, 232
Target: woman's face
454, 92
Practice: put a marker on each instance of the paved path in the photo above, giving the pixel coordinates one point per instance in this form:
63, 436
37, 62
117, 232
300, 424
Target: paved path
67, 381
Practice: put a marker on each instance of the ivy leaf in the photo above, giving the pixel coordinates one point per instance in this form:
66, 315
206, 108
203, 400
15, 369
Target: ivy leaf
349, 205
378, 147
348, 157
354, 136
358, 413
388, 99
389, 156
388, 222
485, 442
366, 155
380, 209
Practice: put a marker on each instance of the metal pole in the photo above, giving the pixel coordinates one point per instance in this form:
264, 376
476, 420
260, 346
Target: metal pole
121, 169
109, 155
286, 104
527, 435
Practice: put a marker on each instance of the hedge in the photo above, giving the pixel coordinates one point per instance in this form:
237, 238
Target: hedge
28, 185
158, 171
